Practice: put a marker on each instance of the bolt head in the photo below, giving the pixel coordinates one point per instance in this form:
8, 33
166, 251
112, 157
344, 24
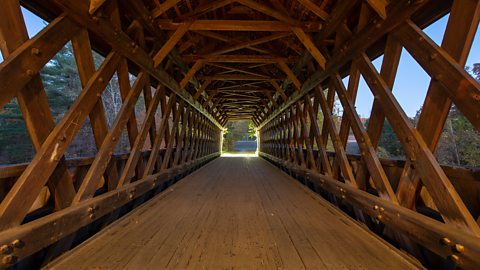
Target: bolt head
459, 248
9, 259
5, 249
445, 241
454, 258
18, 243
35, 51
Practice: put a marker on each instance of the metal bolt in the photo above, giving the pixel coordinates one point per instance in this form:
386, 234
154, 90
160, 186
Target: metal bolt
454, 258
100, 80
9, 259
30, 72
375, 207
382, 209
35, 51
5, 249
91, 216
445, 241
343, 196
17, 243
433, 56
459, 248
90, 210
379, 217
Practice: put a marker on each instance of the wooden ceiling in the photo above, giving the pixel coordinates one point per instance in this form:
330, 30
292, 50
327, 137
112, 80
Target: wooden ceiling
237, 57
243, 59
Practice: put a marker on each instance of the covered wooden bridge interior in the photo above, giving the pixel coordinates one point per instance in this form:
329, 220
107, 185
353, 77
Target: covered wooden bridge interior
202, 63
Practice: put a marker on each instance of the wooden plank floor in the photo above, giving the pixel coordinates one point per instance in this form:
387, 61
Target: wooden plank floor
235, 213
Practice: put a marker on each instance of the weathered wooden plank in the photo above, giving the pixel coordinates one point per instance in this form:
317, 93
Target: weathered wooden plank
422, 229
43, 232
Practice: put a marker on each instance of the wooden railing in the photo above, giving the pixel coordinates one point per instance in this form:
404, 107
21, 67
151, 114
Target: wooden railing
45, 202
422, 204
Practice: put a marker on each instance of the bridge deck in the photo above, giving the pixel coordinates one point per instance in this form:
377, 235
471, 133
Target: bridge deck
236, 212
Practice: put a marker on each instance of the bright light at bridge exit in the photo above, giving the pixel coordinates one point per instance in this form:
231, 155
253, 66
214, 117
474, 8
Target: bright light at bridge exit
240, 154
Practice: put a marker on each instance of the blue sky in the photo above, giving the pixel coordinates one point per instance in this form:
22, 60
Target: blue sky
410, 86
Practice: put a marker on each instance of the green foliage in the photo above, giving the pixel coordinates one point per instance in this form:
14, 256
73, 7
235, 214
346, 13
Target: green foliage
237, 131
252, 130
460, 141
61, 81
390, 143
15, 145
62, 86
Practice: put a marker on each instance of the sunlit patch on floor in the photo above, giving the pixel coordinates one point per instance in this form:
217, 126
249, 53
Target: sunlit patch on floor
240, 154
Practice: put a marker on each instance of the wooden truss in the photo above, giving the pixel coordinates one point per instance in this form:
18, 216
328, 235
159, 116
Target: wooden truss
199, 64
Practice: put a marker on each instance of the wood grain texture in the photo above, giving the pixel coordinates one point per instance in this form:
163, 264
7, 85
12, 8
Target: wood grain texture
255, 218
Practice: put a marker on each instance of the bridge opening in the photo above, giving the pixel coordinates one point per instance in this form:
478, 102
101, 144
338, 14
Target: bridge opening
248, 134
239, 138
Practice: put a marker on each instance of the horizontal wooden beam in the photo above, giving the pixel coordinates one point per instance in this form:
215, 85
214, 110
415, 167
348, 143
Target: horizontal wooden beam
241, 59
422, 229
245, 90
239, 69
45, 231
249, 43
236, 77
239, 25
